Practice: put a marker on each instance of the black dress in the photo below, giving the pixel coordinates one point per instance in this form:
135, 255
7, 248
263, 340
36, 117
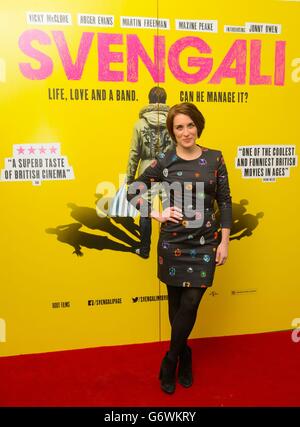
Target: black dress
187, 250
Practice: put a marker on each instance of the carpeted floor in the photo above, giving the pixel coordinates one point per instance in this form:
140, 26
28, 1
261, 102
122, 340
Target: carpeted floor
247, 370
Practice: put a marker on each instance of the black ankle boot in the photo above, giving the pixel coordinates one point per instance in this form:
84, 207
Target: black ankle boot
167, 375
185, 376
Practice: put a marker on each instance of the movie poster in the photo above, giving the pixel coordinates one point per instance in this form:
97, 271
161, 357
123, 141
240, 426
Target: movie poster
75, 79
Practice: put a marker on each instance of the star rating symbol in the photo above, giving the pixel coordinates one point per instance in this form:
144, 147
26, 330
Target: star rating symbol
21, 150
52, 150
31, 150
42, 150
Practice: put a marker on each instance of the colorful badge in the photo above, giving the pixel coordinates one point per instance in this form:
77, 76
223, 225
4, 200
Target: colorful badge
193, 253
198, 215
172, 271
165, 245
186, 284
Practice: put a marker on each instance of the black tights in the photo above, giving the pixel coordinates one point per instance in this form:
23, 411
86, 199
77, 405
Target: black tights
183, 306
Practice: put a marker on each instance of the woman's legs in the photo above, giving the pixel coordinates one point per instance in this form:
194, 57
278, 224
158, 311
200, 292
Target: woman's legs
183, 306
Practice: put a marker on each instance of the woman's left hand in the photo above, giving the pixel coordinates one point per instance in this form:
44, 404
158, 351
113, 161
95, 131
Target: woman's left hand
222, 253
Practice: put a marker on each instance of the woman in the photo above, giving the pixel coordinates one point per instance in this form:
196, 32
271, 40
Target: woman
189, 247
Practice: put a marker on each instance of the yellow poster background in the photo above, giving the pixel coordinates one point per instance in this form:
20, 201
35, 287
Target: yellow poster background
255, 291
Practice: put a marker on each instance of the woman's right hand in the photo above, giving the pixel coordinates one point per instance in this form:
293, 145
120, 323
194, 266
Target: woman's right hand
173, 214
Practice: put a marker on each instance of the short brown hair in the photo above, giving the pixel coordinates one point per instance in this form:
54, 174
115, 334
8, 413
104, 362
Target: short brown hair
188, 109
157, 95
